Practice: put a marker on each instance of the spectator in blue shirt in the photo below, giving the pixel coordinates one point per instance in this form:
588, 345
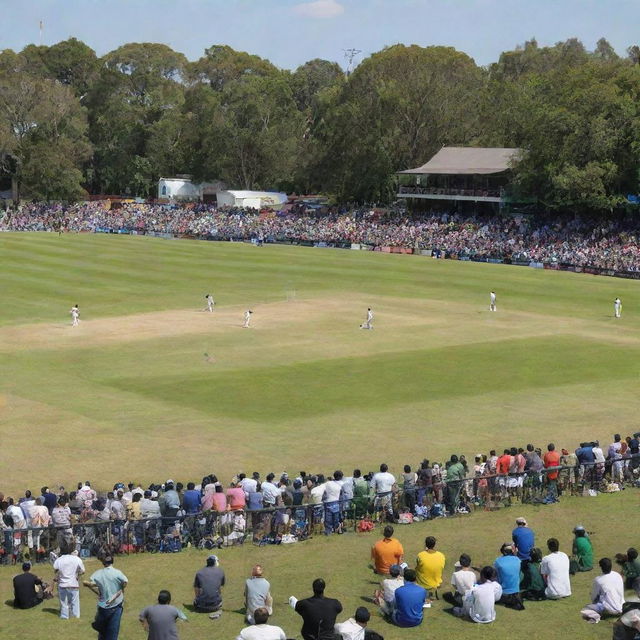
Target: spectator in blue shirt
508, 569
410, 599
191, 499
523, 538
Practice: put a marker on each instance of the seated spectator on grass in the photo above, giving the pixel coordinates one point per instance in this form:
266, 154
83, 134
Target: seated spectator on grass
28, 589
607, 594
523, 537
385, 597
429, 566
318, 613
582, 559
386, 552
354, 628
462, 579
630, 569
410, 599
555, 571
159, 620
191, 499
257, 594
508, 569
260, 630
628, 626
207, 587
532, 585
479, 602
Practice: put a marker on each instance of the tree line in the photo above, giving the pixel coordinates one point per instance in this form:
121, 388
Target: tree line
72, 123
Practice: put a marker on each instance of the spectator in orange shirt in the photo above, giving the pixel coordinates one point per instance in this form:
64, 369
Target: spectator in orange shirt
552, 459
386, 552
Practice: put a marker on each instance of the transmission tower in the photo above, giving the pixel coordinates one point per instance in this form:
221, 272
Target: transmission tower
349, 55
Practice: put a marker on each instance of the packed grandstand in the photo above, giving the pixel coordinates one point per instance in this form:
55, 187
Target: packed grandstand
609, 245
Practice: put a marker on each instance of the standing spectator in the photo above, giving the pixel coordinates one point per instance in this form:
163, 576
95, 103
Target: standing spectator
25, 594
555, 571
455, 475
261, 630
607, 593
159, 620
429, 566
409, 479
257, 594
410, 599
318, 613
479, 601
67, 569
50, 499
383, 483
108, 584
582, 551
207, 586
551, 461
61, 520
40, 519
271, 494
523, 537
508, 569
386, 552
331, 499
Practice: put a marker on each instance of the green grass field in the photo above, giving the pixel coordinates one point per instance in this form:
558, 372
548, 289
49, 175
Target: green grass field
129, 395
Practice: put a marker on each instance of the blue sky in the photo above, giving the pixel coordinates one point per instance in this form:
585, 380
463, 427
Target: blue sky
290, 32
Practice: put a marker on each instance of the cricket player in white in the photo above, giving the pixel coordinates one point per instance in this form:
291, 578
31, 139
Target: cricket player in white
617, 307
492, 301
75, 315
247, 318
368, 324
210, 303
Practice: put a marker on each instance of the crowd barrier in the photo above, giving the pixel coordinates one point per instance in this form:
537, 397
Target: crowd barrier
294, 523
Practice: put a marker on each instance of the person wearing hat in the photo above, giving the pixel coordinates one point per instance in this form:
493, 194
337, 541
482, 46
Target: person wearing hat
462, 579
207, 587
25, 593
507, 567
257, 594
582, 559
524, 538
108, 584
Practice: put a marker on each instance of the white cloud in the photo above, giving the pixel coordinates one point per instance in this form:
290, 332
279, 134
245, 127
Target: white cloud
319, 9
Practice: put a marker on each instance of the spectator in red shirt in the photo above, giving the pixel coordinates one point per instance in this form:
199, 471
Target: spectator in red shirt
552, 459
504, 463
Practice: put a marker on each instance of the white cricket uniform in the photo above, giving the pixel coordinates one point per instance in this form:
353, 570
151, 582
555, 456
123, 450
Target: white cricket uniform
247, 319
617, 307
492, 301
210, 303
75, 316
367, 324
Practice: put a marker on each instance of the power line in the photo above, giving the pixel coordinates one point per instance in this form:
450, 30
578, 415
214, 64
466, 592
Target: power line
349, 55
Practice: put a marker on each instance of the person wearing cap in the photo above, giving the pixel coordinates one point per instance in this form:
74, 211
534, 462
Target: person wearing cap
25, 593
386, 552
385, 597
508, 569
108, 584
207, 587
261, 630
462, 579
354, 628
524, 538
582, 559
257, 594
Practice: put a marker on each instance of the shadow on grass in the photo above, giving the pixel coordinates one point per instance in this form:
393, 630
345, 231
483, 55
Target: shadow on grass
9, 603
55, 612
367, 599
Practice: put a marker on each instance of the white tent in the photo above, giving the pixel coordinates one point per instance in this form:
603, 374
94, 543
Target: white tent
251, 199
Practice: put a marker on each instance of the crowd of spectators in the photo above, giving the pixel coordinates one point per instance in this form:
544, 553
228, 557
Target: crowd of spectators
610, 243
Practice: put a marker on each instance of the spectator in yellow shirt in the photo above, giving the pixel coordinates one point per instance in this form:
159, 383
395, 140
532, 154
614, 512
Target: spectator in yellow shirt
429, 566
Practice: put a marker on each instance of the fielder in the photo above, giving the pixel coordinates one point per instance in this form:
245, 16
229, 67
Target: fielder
617, 307
368, 324
247, 318
75, 315
210, 303
492, 301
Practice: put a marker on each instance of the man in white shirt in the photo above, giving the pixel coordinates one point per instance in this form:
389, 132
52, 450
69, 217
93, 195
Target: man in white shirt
261, 630
331, 499
492, 301
353, 628
247, 318
75, 315
607, 593
555, 571
383, 483
463, 579
86, 494
367, 324
270, 492
210, 303
17, 517
149, 508
67, 569
248, 485
479, 603
40, 519
617, 307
